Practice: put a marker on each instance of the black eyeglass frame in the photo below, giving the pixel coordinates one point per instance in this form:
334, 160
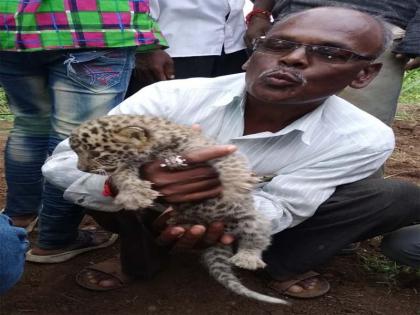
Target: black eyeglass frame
312, 49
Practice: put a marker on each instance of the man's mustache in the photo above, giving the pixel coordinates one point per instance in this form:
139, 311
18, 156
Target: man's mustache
291, 74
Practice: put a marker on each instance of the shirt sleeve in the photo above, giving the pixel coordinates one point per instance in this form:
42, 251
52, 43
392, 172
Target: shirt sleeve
85, 189
290, 199
81, 188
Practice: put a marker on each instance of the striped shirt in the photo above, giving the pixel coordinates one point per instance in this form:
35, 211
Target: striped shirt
31, 25
335, 144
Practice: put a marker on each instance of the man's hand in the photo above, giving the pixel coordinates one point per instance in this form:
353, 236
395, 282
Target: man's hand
154, 66
196, 182
411, 64
257, 27
198, 236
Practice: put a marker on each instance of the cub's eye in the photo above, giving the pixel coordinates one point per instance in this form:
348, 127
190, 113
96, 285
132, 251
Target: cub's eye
105, 159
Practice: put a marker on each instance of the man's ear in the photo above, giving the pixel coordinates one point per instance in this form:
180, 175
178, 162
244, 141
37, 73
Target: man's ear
366, 75
245, 65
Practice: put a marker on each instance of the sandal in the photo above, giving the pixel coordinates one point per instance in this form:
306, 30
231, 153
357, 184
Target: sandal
85, 242
89, 277
349, 249
320, 287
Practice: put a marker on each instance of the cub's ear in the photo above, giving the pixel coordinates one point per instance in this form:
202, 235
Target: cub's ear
132, 134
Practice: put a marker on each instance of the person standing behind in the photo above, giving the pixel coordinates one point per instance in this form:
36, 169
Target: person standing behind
205, 40
61, 63
380, 98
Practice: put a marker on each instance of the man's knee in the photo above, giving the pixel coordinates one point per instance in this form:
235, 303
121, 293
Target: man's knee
403, 245
404, 198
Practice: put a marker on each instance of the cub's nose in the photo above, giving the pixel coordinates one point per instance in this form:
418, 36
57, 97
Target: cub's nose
81, 166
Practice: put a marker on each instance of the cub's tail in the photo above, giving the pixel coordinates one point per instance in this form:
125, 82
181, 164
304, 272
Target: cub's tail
216, 260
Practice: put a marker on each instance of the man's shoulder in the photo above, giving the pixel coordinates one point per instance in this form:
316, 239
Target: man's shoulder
347, 120
225, 82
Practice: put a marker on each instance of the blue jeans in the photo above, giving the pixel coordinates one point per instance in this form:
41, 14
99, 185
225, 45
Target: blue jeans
13, 246
403, 246
50, 93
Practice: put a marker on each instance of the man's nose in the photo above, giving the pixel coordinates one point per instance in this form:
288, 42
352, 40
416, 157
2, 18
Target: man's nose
297, 57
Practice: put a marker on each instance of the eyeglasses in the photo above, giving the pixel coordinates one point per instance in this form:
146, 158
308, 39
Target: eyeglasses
328, 54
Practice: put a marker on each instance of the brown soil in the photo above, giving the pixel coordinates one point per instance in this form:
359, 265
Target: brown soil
185, 288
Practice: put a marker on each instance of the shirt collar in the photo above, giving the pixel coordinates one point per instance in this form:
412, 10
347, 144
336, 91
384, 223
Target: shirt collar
306, 125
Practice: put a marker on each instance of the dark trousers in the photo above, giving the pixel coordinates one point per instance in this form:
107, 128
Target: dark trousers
202, 66
355, 212
209, 66
140, 256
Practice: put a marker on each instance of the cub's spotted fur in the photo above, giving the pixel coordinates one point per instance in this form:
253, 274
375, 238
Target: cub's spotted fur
118, 145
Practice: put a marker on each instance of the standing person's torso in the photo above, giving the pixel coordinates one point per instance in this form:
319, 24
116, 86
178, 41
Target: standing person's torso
61, 24
201, 28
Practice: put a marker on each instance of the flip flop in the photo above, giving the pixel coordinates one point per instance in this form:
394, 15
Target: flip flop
321, 288
31, 226
84, 243
110, 268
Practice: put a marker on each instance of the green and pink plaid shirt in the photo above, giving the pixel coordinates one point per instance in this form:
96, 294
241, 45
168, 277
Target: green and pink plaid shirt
31, 25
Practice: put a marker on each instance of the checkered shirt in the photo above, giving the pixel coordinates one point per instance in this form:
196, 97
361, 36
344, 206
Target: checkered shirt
31, 25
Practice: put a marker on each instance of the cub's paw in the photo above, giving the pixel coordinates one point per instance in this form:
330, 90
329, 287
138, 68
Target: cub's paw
247, 260
135, 200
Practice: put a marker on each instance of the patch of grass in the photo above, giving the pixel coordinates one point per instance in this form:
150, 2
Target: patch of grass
410, 92
4, 107
386, 271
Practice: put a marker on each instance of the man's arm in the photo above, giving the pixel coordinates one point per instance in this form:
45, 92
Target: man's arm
196, 183
258, 23
289, 199
154, 66
410, 45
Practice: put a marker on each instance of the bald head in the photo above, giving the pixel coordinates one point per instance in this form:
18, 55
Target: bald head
362, 32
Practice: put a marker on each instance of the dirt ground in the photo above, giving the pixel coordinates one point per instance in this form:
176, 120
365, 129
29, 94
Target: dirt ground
185, 287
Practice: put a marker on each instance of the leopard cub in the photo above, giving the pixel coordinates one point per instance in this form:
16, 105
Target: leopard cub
117, 145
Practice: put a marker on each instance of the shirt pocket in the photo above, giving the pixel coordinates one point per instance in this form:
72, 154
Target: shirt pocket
99, 70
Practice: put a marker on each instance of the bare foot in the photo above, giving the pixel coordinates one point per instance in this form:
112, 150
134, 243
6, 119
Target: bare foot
305, 286
102, 280
103, 276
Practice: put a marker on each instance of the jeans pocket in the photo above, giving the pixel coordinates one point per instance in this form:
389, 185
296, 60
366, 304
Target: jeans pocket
101, 69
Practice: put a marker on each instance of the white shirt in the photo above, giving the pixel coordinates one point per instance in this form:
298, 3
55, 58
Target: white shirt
199, 27
335, 144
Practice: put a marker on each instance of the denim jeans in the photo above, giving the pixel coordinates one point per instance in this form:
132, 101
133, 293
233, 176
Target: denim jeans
13, 246
50, 93
355, 212
403, 245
